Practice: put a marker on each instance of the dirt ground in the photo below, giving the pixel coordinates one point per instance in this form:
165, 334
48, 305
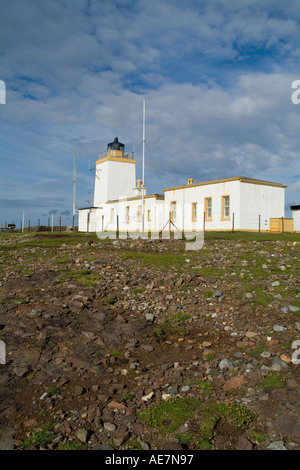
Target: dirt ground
141, 344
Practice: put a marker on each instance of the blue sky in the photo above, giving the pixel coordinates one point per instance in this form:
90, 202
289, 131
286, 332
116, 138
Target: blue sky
216, 76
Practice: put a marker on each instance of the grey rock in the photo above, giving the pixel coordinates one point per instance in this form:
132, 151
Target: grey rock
278, 364
6, 444
276, 445
293, 308
279, 328
149, 317
218, 293
110, 427
225, 364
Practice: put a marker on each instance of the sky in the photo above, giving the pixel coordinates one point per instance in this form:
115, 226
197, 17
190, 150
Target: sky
216, 75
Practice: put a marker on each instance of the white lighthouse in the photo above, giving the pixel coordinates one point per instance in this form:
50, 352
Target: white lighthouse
115, 174
115, 178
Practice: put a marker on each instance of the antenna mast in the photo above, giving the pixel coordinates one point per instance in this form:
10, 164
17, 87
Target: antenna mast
74, 190
143, 177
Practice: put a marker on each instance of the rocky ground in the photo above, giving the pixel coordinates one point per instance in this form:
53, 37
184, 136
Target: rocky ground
144, 345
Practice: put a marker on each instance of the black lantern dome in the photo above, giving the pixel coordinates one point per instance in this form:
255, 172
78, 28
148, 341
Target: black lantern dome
116, 145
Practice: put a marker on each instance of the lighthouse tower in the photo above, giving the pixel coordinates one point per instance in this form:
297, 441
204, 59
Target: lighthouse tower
115, 174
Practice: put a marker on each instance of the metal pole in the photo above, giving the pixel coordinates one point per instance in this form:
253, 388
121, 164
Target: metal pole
74, 189
23, 220
143, 182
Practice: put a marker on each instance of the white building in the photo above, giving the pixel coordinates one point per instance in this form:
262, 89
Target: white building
121, 204
296, 217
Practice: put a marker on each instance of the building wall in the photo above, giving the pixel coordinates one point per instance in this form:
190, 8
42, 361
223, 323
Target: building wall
296, 217
260, 200
185, 196
90, 220
129, 214
114, 179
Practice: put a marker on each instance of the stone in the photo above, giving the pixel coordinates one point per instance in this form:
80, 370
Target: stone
185, 388
278, 364
225, 364
276, 445
265, 354
82, 435
147, 397
218, 293
248, 295
244, 444
293, 308
250, 334
234, 382
285, 358
279, 328
149, 317
109, 427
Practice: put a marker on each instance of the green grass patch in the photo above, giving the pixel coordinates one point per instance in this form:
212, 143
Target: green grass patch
73, 445
273, 380
167, 417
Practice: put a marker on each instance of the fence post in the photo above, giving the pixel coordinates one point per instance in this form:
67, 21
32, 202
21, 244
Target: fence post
204, 222
233, 221
259, 223
282, 225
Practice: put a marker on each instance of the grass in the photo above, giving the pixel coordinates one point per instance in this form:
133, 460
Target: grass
273, 380
173, 324
40, 438
73, 445
167, 417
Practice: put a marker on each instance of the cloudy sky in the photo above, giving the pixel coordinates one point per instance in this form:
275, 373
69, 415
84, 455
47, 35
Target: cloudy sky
216, 75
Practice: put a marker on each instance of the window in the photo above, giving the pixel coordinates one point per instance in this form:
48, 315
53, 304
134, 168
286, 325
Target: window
225, 209
194, 211
149, 215
127, 219
208, 208
112, 215
139, 213
173, 211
